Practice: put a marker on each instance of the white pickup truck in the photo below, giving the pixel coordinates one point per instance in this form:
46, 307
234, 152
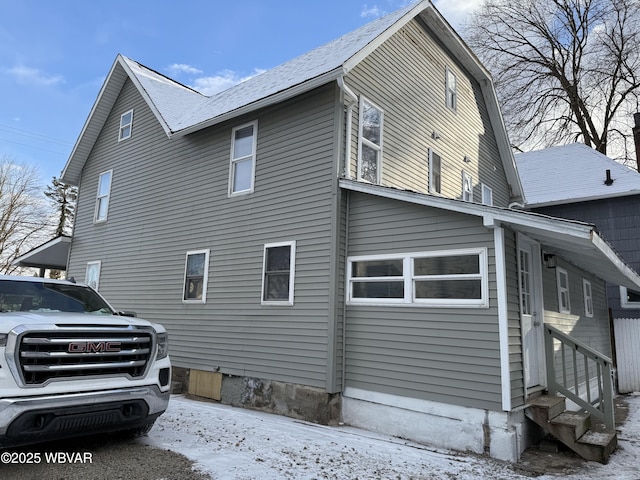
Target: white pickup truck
71, 365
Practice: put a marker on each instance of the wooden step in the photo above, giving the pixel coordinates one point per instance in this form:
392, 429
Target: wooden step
574, 429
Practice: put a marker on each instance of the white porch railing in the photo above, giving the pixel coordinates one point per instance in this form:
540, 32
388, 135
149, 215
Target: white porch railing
573, 361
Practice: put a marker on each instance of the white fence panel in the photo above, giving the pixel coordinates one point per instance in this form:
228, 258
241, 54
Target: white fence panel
627, 337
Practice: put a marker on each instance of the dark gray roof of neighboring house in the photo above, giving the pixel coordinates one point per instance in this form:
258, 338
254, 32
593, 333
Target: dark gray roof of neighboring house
572, 173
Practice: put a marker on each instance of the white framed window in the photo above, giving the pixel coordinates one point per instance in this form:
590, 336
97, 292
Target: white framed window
242, 168
451, 90
92, 274
196, 276
435, 172
126, 125
102, 196
467, 187
370, 142
629, 298
562, 279
278, 273
487, 195
524, 267
588, 298
449, 278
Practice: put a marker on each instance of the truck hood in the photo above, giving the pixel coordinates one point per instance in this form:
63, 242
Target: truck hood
9, 320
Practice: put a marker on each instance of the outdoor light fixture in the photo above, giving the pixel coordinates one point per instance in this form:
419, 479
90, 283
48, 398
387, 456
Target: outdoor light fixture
549, 260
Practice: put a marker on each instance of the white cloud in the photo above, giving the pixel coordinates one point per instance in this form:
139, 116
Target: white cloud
34, 76
223, 80
178, 68
371, 11
456, 11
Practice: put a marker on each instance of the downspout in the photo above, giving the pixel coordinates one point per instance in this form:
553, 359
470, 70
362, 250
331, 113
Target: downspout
347, 144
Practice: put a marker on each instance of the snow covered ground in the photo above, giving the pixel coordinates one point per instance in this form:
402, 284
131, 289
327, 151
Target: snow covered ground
232, 443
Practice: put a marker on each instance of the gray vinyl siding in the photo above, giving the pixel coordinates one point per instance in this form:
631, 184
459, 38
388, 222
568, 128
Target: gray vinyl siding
618, 221
593, 331
405, 77
170, 196
449, 355
516, 369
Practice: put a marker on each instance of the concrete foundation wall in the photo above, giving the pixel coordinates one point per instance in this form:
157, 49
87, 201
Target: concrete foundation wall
296, 401
501, 435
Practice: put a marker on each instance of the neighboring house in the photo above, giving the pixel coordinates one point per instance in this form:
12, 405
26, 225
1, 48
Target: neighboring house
332, 239
577, 182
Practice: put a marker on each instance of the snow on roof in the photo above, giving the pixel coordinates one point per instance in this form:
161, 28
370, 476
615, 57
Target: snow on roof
170, 98
572, 173
323, 60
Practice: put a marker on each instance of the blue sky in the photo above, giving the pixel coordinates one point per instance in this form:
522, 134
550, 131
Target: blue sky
55, 55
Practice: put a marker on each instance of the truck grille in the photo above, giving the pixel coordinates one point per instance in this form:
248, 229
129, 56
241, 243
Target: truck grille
50, 355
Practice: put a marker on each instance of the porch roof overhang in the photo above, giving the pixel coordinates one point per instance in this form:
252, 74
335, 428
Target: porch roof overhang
577, 242
52, 254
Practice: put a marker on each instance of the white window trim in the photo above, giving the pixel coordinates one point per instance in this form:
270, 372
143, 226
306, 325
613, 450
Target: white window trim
292, 273
452, 105
562, 308
361, 140
432, 188
205, 278
467, 176
107, 196
121, 137
409, 280
623, 300
487, 195
253, 156
587, 292
86, 273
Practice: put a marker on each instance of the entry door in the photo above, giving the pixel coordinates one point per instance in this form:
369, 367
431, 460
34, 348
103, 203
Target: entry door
530, 289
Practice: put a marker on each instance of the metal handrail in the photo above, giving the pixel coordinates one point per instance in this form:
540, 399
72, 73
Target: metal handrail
602, 406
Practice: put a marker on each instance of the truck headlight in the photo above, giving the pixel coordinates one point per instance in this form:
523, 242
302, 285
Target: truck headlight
163, 346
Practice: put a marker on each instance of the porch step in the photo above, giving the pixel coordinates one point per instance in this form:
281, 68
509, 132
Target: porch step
574, 429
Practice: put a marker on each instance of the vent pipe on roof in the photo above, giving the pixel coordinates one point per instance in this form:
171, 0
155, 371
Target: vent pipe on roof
636, 137
608, 181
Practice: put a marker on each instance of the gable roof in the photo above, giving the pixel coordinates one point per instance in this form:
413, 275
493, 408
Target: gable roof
572, 173
576, 242
181, 110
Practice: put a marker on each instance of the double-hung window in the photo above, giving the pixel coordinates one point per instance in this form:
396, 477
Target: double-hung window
435, 172
92, 274
451, 278
278, 273
629, 298
102, 197
451, 90
370, 142
564, 302
196, 273
588, 298
487, 195
243, 158
467, 187
126, 125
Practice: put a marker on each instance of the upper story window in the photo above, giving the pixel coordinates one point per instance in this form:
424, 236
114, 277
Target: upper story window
467, 187
451, 90
487, 195
370, 142
564, 302
588, 298
243, 158
126, 124
629, 298
196, 273
452, 278
102, 197
435, 172
278, 273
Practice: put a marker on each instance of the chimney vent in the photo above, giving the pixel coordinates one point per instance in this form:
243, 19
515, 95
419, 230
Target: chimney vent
609, 181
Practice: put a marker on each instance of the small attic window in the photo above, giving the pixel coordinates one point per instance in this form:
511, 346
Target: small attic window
126, 122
